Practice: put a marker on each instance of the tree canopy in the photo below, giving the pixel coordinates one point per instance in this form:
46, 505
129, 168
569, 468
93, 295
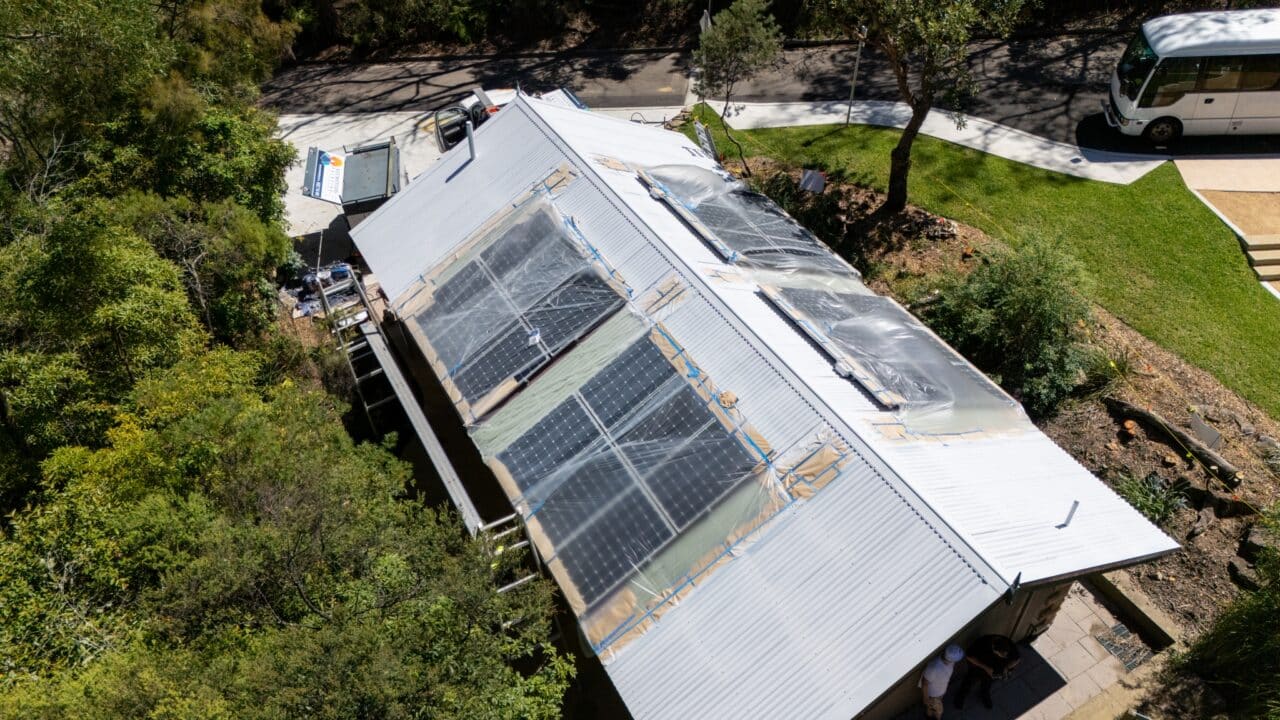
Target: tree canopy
742, 41
926, 44
189, 530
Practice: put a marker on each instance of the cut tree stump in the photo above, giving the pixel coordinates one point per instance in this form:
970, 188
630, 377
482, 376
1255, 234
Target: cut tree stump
1216, 463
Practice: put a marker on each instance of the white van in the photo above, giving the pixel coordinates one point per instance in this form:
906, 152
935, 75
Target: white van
1212, 73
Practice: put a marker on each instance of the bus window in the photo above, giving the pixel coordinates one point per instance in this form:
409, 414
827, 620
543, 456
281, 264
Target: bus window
1261, 73
1173, 78
1221, 74
1135, 65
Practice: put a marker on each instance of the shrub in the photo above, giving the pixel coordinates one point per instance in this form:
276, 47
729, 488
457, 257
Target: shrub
1153, 496
1240, 654
1019, 317
1102, 371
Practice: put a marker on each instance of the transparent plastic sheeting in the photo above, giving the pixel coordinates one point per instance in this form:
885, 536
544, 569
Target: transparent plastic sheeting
509, 305
933, 389
744, 226
633, 477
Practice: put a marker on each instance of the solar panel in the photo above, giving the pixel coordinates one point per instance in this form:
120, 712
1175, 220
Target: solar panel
676, 461
581, 489
615, 546
901, 355
510, 355
645, 368
508, 312
557, 437
696, 474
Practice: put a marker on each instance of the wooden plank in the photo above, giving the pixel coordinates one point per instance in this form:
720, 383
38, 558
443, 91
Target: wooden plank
435, 451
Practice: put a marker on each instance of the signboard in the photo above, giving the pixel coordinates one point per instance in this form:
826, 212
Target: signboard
815, 181
323, 177
704, 139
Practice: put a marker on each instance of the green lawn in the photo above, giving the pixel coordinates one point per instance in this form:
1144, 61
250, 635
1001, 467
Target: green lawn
1159, 259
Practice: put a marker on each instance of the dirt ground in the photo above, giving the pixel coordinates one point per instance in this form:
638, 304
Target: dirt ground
1190, 586
1255, 213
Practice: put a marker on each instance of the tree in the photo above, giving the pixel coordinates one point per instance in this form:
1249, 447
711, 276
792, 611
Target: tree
743, 40
232, 552
926, 43
225, 252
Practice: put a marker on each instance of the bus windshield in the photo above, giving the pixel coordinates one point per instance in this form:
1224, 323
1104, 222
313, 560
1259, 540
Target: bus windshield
1135, 65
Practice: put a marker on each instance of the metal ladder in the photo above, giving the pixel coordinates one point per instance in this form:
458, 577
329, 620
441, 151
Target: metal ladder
511, 526
349, 327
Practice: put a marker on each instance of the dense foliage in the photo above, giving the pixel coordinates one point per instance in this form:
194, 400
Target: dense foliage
189, 530
1019, 316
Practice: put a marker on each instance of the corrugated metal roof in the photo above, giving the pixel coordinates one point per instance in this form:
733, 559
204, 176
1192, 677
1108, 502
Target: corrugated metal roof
809, 618
816, 620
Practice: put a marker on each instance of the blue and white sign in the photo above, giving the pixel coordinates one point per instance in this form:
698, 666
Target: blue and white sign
323, 177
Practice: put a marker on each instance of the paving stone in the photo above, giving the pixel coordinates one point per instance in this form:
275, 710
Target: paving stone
1054, 707
1108, 672
1064, 631
1077, 609
1096, 649
1079, 691
1073, 661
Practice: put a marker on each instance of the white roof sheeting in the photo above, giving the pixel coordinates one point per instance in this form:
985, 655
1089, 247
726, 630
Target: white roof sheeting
808, 617
1235, 32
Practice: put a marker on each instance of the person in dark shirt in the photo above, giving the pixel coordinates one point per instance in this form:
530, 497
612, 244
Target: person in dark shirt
988, 658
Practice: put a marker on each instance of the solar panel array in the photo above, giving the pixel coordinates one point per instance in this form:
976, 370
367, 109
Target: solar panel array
746, 222
622, 466
896, 348
507, 312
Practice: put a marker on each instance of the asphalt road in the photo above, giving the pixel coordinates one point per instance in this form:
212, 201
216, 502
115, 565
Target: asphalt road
1052, 87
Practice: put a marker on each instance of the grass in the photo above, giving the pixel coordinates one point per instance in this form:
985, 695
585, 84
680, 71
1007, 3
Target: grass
1159, 259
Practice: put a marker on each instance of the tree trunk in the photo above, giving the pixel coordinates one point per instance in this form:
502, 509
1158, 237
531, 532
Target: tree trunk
725, 126
900, 161
1182, 440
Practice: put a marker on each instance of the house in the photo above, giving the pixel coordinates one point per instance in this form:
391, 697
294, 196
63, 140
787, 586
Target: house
765, 491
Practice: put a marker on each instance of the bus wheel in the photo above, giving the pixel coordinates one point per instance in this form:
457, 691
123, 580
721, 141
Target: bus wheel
1163, 131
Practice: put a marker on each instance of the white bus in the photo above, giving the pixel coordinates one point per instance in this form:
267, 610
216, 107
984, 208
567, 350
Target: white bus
1212, 73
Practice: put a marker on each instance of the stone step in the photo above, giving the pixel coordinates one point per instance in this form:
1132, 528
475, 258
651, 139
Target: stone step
1264, 257
1261, 242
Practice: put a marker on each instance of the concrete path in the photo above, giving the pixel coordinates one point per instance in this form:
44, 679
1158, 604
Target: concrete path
977, 133
1233, 174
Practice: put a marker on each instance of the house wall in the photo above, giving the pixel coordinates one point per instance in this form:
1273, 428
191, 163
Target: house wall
1030, 614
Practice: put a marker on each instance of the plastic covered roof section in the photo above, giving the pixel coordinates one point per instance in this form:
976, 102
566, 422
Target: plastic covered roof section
904, 366
741, 225
490, 318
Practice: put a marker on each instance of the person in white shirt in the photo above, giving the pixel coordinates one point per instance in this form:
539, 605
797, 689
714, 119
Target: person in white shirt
933, 684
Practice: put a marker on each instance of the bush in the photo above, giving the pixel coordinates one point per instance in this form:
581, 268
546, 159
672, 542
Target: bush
1240, 654
1153, 496
1019, 317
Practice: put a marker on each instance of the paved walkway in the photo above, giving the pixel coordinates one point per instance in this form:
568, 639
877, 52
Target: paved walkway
1062, 670
977, 133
